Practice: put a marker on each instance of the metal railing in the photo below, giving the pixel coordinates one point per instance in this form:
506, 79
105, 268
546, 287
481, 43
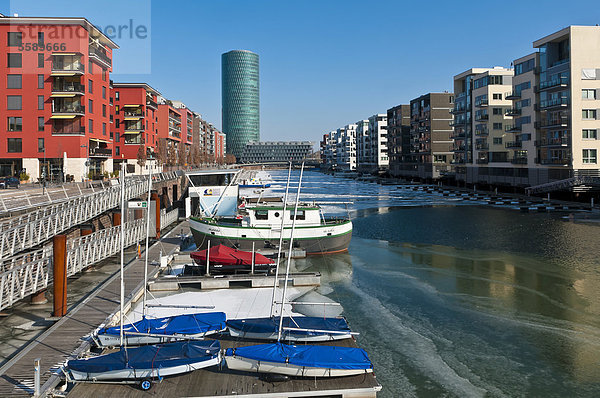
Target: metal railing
168, 218
38, 226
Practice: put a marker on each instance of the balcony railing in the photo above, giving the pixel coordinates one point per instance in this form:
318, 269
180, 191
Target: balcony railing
482, 146
134, 127
555, 162
458, 148
562, 81
457, 122
481, 103
512, 95
482, 161
135, 113
512, 128
458, 109
68, 67
548, 124
552, 142
151, 103
71, 109
68, 87
70, 129
133, 139
481, 117
100, 54
513, 112
482, 132
519, 160
513, 144
556, 102
101, 152
458, 134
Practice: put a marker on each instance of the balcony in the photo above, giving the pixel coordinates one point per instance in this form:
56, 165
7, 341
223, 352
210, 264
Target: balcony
482, 161
152, 104
67, 109
135, 113
134, 127
458, 109
67, 128
550, 124
67, 89
512, 128
458, 135
481, 103
513, 112
562, 142
554, 103
562, 81
101, 152
133, 139
99, 55
512, 95
513, 144
482, 132
457, 161
456, 122
481, 117
519, 160
483, 146
67, 68
554, 162
458, 148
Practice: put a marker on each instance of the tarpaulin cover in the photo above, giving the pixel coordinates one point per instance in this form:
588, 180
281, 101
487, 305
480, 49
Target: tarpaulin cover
227, 256
314, 356
271, 325
177, 324
149, 357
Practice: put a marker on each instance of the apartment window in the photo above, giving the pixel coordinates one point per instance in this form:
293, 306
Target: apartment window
117, 137
14, 81
103, 74
41, 146
497, 140
589, 156
116, 109
103, 128
589, 74
117, 149
103, 92
40, 81
91, 106
103, 110
90, 86
13, 102
15, 39
497, 126
90, 67
40, 39
91, 125
117, 123
14, 60
40, 124
497, 96
588, 114
15, 145
40, 60
590, 134
497, 111
117, 96
589, 94
15, 124
40, 102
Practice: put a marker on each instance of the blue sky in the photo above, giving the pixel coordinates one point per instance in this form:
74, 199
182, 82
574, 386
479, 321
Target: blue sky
323, 64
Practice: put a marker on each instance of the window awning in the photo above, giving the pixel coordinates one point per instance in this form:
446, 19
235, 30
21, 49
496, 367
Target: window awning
63, 116
131, 105
133, 117
99, 140
63, 95
133, 132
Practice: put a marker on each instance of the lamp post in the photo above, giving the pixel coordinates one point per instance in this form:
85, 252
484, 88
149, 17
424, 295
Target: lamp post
87, 162
44, 172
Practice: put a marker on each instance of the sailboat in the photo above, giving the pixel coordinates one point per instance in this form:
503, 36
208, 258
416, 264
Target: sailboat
141, 363
294, 360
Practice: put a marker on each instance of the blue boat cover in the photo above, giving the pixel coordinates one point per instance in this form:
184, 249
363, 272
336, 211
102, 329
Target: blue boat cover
271, 325
153, 356
177, 324
314, 356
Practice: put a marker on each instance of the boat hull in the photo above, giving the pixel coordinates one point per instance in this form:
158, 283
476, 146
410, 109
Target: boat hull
313, 240
252, 365
288, 336
109, 340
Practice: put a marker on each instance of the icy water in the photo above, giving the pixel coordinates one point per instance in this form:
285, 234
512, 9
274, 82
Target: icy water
456, 299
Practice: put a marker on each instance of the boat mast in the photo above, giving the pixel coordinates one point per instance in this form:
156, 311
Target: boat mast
289, 259
276, 282
122, 248
147, 237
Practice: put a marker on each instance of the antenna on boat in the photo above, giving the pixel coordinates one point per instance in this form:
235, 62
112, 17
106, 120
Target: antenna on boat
289, 259
275, 283
147, 237
122, 249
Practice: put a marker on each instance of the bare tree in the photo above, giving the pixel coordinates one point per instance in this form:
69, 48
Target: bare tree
161, 152
171, 155
182, 155
195, 156
142, 156
230, 158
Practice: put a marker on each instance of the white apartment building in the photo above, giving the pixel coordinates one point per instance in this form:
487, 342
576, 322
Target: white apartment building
379, 139
346, 148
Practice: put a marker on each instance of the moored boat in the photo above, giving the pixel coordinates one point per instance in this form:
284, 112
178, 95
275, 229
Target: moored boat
299, 328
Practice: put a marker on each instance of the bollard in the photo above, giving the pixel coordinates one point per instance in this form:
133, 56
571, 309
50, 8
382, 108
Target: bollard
156, 200
208, 259
60, 274
252, 269
36, 377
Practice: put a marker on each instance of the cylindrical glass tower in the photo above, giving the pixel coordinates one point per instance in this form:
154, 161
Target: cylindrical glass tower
241, 119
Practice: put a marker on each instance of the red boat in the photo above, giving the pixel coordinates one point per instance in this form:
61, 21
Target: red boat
223, 259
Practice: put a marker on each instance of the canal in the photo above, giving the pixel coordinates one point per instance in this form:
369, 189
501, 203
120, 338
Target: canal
458, 299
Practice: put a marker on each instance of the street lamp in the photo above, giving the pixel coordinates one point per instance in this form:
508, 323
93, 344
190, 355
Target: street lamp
44, 172
87, 163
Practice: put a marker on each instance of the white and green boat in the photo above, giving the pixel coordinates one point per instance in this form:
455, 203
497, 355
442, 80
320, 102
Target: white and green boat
260, 224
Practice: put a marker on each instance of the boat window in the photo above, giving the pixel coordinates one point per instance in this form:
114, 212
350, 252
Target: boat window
276, 214
262, 214
299, 216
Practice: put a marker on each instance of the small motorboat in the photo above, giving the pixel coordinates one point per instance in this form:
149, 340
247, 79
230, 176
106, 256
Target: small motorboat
223, 259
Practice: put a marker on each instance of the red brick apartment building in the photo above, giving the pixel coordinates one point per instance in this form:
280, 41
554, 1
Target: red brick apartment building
55, 102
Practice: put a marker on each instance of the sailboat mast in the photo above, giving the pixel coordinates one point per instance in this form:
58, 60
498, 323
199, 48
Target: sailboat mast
285, 198
122, 248
147, 237
289, 258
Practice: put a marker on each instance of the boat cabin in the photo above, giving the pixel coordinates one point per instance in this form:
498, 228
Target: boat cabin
270, 216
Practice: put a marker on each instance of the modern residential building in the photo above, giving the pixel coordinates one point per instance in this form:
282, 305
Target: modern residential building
483, 123
363, 146
345, 151
430, 136
187, 133
240, 99
371, 144
399, 140
277, 151
328, 150
55, 101
134, 126
169, 132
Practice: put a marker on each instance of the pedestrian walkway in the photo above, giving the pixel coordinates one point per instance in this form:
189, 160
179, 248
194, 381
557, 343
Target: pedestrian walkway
67, 336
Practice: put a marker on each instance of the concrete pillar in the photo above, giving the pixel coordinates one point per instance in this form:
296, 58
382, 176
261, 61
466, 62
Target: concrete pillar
116, 218
154, 198
60, 275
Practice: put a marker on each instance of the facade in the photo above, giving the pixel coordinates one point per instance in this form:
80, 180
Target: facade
134, 127
363, 146
371, 144
169, 131
345, 152
398, 119
328, 150
277, 151
240, 99
430, 136
55, 101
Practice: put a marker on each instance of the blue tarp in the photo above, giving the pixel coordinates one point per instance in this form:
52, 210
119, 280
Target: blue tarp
314, 356
271, 325
177, 324
152, 356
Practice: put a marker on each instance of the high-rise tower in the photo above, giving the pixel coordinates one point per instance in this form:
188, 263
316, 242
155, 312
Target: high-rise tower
240, 99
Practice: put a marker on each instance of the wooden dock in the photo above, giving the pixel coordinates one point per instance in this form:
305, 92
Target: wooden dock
227, 281
67, 336
215, 382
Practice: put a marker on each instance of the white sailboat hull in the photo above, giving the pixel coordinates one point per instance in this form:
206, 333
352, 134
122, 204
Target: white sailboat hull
251, 365
288, 336
109, 340
137, 374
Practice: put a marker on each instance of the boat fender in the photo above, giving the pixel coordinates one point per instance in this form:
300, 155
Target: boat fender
273, 378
